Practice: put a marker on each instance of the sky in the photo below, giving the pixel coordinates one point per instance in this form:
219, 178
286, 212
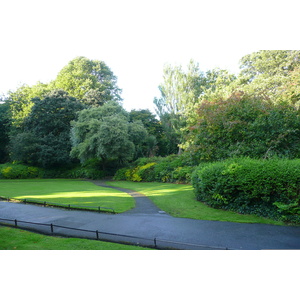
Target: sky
137, 38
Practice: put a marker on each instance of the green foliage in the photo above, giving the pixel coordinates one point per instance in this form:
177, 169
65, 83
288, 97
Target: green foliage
21, 171
45, 139
268, 188
74, 173
180, 89
120, 174
20, 101
105, 133
145, 173
243, 125
265, 72
90, 81
18, 171
269, 62
153, 127
4, 131
290, 91
181, 93
173, 168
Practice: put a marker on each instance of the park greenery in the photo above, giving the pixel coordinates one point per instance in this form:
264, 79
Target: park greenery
236, 137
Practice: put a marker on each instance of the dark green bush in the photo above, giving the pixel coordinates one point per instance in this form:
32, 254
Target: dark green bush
121, 174
182, 174
268, 188
74, 173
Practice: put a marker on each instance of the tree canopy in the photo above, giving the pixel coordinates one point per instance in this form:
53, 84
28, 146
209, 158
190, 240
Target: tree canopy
263, 73
45, 139
210, 115
243, 125
20, 101
105, 133
4, 131
90, 81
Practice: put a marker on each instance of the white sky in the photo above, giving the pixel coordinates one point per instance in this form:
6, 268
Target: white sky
136, 38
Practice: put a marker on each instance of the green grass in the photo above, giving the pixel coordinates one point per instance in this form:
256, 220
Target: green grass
17, 239
179, 200
65, 191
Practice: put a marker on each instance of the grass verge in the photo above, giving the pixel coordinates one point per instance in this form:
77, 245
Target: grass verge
179, 200
18, 239
66, 191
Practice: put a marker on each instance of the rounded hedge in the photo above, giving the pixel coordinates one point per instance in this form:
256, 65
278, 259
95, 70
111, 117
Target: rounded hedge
268, 188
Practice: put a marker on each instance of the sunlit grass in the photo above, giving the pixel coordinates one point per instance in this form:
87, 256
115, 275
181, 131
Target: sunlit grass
62, 191
179, 200
17, 239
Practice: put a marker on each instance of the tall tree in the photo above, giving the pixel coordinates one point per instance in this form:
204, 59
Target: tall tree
219, 84
290, 91
269, 63
90, 81
263, 73
45, 140
5, 121
20, 101
180, 89
180, 92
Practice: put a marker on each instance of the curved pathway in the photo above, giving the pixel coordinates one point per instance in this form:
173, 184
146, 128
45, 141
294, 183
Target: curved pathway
143, 205
149, 224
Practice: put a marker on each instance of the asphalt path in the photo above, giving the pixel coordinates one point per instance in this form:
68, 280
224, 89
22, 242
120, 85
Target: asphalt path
147, 225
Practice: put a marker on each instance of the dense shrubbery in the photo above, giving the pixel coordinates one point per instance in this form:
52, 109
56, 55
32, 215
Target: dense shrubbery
268, 188
173, 168
244, 125
19, 171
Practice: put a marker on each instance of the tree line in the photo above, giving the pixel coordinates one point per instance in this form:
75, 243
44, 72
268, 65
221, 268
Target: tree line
208, 116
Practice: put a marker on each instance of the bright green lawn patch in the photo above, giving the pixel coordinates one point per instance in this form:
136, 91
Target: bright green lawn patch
17, 239
65, 191
179, 201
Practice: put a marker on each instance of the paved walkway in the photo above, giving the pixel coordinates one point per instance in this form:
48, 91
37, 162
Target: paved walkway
153, 226
143, 205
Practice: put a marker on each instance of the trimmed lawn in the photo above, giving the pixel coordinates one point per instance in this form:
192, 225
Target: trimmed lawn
18, 239
178, 200
66, 191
